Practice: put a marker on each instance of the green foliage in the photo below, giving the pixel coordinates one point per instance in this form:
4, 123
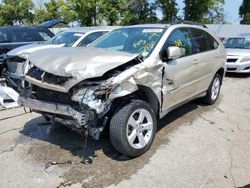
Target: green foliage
16, 12
168, 8
244, 12
139, 12
54, 9
86, 11
204, 11
111, 10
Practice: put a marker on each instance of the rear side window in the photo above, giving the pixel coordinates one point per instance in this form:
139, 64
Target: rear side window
3, 36
22, 36
202, 41
199, 40
212, 43
91, 38
43, 35
182, 39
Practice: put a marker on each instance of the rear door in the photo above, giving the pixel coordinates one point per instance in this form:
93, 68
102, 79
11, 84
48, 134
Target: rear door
205, 54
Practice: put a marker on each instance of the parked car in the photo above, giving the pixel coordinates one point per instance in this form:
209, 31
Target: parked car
127, 80
238, 54
69, 38
13, 37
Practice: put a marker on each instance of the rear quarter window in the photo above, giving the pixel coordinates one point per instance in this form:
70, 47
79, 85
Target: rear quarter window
42, 35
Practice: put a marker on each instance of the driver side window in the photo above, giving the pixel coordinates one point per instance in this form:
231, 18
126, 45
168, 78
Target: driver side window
182, 39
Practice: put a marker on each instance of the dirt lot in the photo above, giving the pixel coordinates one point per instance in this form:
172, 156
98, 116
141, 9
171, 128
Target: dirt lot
196, 146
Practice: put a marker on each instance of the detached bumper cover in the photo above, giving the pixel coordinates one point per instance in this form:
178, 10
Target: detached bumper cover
53, 108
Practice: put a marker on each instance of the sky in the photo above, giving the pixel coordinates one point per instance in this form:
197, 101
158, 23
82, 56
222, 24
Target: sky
231, 9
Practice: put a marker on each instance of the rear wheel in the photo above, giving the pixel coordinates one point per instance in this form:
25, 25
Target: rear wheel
132, 128
213, 91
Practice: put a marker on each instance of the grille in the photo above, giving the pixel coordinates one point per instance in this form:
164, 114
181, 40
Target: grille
52, 96
231, 69
231, 60
41, 75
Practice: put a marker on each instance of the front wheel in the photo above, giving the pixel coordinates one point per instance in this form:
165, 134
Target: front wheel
132, 128
213, 91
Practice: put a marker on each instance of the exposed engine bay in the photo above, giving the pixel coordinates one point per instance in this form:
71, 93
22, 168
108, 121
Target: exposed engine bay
87, 104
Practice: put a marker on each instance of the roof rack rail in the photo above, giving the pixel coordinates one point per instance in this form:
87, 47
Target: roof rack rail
187, 22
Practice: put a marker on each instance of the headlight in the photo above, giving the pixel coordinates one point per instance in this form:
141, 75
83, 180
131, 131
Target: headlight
91, 92
245, 59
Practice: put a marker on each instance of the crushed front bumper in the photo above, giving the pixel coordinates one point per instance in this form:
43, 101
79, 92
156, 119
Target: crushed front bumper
54, 108
78, 121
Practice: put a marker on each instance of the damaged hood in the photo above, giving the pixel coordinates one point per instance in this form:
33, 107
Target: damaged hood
86, 62
27, 49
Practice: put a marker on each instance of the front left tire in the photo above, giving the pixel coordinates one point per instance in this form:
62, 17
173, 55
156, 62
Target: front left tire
133, 128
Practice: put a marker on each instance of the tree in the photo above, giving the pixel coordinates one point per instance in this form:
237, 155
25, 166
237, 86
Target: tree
244, 12
168, 8
86, 11
16, 12
54, 9
205, 11
111, 10
139, 12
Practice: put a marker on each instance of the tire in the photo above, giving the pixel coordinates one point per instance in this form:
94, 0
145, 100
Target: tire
211, 97
141, 136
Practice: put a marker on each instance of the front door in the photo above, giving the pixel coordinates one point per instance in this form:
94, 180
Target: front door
179, 74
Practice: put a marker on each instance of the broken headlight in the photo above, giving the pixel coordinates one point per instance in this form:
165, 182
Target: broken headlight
91, 92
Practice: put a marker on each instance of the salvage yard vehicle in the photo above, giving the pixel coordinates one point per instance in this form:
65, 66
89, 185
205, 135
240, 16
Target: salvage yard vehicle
238, 54
15, 36
127, 80
69, 38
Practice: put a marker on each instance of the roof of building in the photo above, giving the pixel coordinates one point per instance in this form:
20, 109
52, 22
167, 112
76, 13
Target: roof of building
229, 30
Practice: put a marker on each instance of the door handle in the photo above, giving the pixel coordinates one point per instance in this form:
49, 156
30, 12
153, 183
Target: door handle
195, 62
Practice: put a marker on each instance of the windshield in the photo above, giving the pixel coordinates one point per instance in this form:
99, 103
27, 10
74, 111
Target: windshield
66, 38
132, 40
243, 43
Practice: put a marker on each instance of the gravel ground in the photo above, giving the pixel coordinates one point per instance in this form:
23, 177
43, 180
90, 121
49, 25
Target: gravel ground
195, 146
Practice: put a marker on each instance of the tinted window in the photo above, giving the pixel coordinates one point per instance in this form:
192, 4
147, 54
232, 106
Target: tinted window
3, 36
181, 38
91, 38
203, 41
22, 36
212, 43
199, 40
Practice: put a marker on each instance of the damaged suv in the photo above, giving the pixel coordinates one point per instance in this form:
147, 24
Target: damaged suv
125, 81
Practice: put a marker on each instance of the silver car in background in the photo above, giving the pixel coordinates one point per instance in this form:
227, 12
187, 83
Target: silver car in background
238, 54
69, 38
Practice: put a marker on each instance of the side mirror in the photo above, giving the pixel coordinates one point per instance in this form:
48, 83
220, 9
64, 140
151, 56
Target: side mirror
173, 52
